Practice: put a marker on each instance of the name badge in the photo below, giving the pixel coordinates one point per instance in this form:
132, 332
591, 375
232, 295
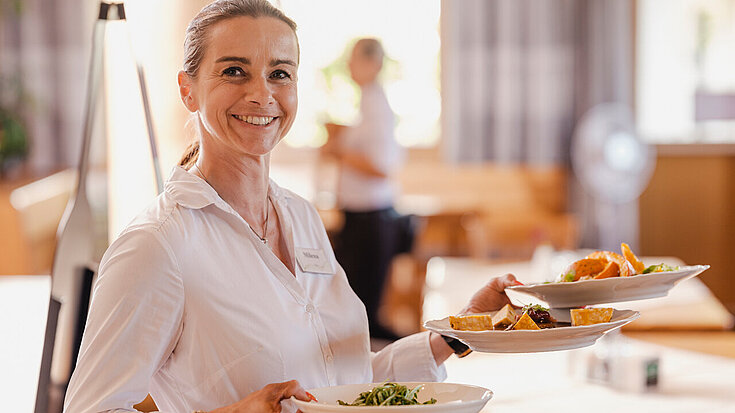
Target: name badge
313, 260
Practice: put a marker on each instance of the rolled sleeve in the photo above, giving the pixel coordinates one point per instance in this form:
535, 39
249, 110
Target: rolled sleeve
408, 359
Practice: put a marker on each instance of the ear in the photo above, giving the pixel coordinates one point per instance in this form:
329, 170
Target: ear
186, 86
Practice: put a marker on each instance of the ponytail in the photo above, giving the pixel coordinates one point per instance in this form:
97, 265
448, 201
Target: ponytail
190, 156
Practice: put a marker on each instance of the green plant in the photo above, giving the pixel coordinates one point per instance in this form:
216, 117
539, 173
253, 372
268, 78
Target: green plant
13, 135
13, 139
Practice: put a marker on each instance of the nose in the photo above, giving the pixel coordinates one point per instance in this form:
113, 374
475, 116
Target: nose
260, 92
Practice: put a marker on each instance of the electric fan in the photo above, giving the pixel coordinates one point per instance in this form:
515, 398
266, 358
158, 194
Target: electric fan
614, 166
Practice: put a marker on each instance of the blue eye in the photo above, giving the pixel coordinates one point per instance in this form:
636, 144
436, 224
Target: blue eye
233, 71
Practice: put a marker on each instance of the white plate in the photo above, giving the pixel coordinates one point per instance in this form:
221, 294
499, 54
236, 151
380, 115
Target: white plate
609, 290
533, 341
450, 398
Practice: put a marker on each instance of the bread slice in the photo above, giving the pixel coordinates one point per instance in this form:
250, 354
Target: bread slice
474, 322
526, 323
504, 317
587, 316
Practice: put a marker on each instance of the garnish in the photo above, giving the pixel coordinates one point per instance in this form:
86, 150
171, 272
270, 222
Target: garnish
659, 268
388, 394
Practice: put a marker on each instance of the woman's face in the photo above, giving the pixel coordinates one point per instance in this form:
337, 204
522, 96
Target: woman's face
245, 89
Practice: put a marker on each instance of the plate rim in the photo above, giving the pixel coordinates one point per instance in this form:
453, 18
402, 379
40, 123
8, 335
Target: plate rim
696, 269
633, 315
487, 396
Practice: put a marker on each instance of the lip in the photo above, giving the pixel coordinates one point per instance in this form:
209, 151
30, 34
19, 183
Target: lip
242, 122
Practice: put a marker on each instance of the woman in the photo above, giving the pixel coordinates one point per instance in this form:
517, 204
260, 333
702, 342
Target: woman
367, 155
226, 290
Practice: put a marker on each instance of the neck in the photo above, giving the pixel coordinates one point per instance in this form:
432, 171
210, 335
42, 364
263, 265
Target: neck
240, 180
368, 83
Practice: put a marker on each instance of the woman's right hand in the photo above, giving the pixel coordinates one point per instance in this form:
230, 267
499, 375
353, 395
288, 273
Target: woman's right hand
267, 400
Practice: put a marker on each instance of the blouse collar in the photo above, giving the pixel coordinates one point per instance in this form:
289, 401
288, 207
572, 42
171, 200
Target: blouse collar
191, 191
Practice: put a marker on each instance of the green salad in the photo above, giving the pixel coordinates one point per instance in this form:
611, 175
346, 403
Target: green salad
388, 394
659, 268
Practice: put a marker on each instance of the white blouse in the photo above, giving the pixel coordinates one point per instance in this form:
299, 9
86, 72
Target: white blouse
191, 307
372, 137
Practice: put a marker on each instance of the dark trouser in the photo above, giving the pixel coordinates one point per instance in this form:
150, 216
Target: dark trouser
365, 248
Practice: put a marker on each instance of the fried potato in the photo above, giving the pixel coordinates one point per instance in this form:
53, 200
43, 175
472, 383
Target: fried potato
626, 268
638, 266
584, 267
612, 269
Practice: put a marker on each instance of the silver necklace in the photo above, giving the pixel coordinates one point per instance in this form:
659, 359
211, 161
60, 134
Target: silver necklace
264, 238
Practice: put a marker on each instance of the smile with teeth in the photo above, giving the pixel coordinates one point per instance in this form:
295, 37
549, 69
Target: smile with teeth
255, 120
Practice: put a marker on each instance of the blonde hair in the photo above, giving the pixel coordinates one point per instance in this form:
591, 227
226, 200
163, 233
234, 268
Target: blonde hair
195, 42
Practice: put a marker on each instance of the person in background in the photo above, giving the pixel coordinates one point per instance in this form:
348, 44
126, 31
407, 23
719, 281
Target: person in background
368, 155
224, 295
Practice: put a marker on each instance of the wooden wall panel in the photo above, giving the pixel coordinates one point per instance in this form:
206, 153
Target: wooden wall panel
688, 211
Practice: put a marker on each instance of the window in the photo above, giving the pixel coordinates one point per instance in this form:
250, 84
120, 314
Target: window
409, 31
685, 74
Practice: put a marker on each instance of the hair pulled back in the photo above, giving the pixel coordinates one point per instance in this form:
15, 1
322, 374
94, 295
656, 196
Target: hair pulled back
195, 41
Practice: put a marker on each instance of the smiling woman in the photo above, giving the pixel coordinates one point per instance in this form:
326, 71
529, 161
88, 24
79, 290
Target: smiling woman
227, 286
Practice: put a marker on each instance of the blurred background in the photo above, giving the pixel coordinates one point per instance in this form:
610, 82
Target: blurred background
532, 128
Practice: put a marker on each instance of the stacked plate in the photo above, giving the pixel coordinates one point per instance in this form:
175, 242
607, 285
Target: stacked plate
561, 297
460, 398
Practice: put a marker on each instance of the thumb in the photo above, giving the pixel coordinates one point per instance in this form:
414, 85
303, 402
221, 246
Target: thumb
507, 280
293, 389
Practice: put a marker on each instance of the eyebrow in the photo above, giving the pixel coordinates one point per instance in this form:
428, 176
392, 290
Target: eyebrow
246, 61
243, 60
276, 62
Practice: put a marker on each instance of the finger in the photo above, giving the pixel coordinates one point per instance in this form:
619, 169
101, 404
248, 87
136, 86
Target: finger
293, 388
498, 284
507, 280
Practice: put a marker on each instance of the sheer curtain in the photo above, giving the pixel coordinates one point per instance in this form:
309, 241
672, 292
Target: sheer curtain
44, 45
518, 74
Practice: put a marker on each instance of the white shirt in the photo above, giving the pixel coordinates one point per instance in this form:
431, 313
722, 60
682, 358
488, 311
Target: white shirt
191, 307
373, 138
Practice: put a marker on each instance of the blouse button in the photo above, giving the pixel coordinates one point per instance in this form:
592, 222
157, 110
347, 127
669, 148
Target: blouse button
329, 358
309, 308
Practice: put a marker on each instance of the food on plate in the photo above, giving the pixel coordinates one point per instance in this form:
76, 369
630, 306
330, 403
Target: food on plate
607, 264
659, 268
587, 316
525, 323
625, 268
388, 394
584, 267
638, 266
472, 322
530, 317
540, 315
535, 317
504, 318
